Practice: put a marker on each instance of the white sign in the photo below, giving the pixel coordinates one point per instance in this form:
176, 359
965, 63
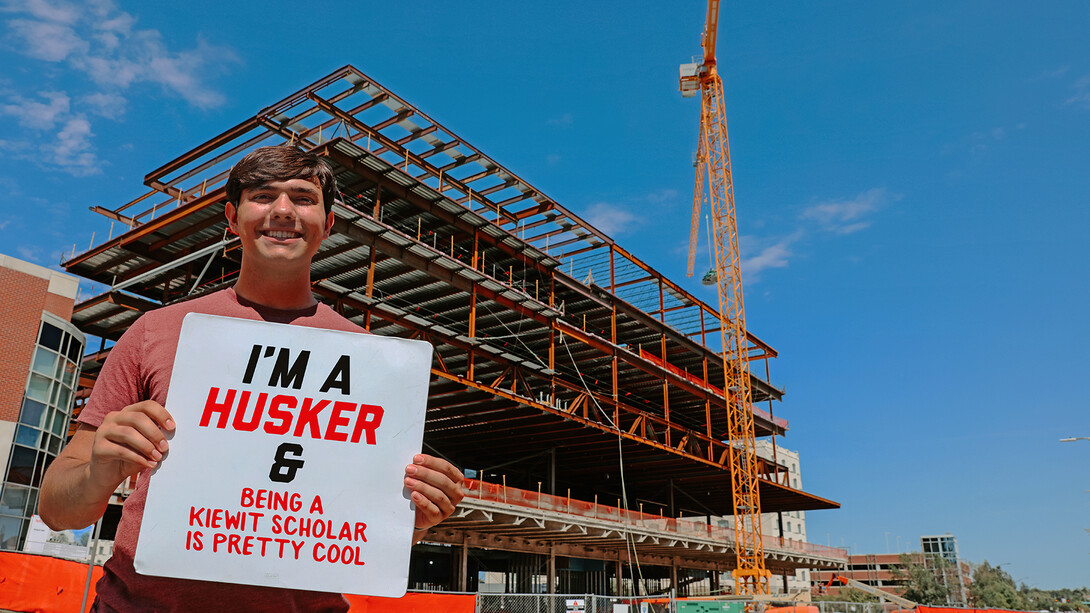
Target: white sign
286, 466
70, 544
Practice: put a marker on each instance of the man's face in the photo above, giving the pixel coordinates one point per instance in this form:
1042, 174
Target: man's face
281, 222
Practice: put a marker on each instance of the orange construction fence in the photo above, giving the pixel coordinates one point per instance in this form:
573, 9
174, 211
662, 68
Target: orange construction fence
496, 492
40, 584
926, 609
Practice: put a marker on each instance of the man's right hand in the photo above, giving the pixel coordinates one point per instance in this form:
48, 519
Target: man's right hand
78, 484
128, 441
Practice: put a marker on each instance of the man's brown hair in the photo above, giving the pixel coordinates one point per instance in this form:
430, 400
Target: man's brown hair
280, 163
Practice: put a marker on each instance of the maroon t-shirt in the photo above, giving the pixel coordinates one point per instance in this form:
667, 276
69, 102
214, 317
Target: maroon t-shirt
139, 368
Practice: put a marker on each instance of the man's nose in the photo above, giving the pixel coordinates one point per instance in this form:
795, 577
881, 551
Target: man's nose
283, 206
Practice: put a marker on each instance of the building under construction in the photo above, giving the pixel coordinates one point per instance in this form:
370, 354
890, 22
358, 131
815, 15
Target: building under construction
577, 385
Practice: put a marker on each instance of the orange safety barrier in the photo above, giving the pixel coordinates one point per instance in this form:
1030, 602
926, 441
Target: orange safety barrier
798, 608
40, 584
414, 603
691, 378
474, 488
926, 609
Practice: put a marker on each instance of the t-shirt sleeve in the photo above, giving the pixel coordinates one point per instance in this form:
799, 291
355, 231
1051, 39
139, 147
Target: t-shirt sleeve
121, 381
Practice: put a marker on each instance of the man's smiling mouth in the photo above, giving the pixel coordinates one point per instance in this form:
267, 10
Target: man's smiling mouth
282, 234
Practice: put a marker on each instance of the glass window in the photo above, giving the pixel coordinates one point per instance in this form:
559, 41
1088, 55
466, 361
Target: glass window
75, 350
50, 336
58, 372
32, 413
60, 422
38, 388
69, 375
14, 499
10, 528
54, 445
32, 502
22, 465
64, 395
43, 462
27, 436
45, 361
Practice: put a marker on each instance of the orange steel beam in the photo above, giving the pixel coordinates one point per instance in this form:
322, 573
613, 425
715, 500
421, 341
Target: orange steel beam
149, 227
430, 207
617, 405
392, 145
690, 297
585, 421
446, 275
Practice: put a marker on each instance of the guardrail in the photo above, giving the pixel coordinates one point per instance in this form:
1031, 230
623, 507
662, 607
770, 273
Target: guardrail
495, 492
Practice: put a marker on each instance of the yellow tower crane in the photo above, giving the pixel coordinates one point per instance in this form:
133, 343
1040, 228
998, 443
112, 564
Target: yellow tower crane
713, 167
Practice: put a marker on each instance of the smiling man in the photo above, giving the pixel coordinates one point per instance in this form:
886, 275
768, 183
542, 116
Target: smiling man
279, 204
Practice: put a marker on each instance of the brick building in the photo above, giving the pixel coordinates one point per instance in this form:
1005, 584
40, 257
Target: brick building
881, 571
38, 378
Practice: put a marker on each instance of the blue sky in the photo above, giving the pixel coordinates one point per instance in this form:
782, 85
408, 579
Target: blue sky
911, 184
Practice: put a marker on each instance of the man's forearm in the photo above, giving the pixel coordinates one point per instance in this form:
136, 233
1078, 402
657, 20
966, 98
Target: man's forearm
68, 500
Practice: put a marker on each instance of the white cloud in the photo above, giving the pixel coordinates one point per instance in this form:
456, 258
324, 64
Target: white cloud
37, 115
609, 218
563, 120
758, 255
848, 216
123, 60
1082, 92
29, 253
663, 196
52, 42
102, 43
72, 150
108, 105
57, 11
981, 141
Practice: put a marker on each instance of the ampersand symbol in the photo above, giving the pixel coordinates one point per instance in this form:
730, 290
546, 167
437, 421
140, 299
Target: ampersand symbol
284, 468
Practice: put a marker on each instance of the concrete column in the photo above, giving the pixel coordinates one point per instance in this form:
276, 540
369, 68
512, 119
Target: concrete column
551, 571
620, 573
463, 565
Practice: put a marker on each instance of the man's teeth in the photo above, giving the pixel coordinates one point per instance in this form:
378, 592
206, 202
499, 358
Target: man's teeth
281, 235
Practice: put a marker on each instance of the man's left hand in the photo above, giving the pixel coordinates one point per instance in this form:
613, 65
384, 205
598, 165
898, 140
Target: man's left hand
436, 489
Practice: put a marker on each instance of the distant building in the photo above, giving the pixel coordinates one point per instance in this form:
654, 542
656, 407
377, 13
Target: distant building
881, 571
789, 525
39, 376
945, 546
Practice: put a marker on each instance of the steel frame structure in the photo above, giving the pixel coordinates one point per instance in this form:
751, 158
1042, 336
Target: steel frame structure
558, 352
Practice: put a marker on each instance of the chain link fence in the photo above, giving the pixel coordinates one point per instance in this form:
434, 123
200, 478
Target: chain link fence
854, 607
559, 603
589, 603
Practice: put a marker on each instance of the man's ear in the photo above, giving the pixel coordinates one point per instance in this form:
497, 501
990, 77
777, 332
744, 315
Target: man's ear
328, 224
231, 213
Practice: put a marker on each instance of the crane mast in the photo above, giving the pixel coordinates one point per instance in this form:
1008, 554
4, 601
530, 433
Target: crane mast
713, 168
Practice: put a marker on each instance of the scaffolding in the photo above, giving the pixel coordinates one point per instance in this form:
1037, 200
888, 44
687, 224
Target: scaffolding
561, 358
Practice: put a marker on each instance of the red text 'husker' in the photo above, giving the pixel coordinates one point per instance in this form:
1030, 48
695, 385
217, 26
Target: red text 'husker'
282, 414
